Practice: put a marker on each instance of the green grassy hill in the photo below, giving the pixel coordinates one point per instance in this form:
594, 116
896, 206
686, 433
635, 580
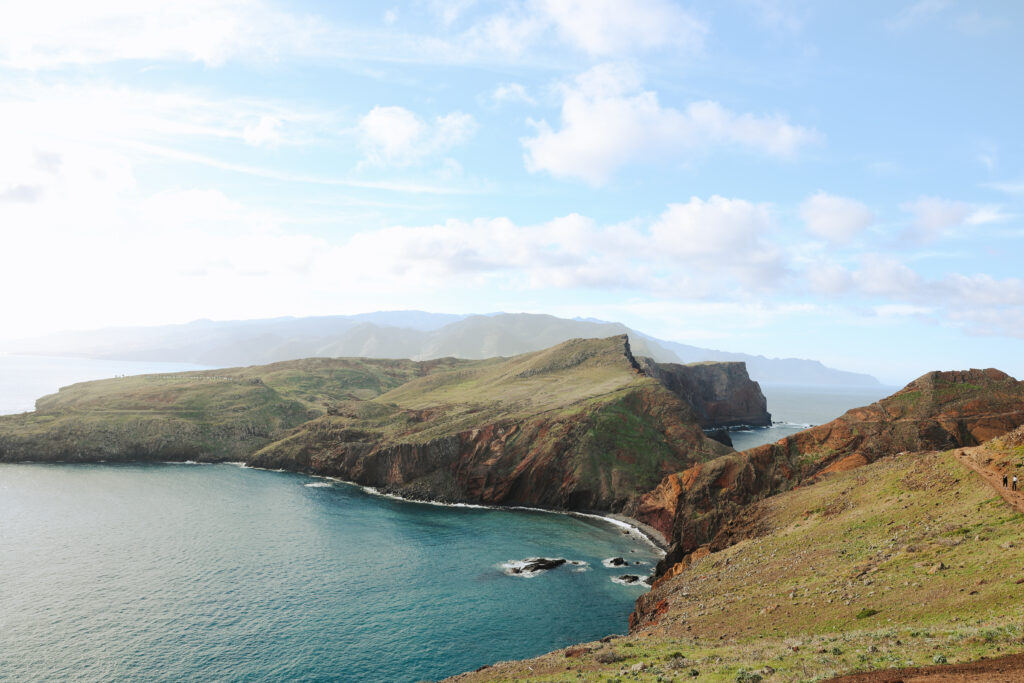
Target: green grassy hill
912, 560
210, 415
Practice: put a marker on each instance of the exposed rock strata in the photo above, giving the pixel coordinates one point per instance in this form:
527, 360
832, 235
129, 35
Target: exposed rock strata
722, 394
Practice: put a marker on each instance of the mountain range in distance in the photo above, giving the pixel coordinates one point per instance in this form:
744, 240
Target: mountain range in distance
415, 335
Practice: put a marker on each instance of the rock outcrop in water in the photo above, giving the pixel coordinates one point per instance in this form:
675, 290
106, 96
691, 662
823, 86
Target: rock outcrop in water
938, 411
582, 425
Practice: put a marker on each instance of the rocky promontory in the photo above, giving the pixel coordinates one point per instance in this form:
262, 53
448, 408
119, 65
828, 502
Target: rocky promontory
583, 425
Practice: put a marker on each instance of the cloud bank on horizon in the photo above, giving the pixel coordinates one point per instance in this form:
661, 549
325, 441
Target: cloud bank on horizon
768, 176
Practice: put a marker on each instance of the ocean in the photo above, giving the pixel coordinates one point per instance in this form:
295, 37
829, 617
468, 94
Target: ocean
218, 572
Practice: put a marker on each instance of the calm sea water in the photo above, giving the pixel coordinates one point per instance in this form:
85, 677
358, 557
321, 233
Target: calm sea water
215, 572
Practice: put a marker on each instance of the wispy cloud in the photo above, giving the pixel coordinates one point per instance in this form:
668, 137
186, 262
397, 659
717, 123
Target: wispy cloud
835, 218
273, 174
934, 217
917, 13
50, 33
608, 120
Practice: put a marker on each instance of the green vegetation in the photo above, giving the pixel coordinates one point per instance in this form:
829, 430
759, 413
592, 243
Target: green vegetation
210, 415
921, 564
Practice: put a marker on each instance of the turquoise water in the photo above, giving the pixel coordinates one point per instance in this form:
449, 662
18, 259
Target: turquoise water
215, 572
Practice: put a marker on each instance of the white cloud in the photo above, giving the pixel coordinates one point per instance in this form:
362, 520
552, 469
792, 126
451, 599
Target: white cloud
50, 33
609, 121
933, 217
603, 28
512, 92
829, 278
901, 310
716, 227
598, 28
721, 233
886, 276
397, 136
265, 133
835, 218
450, 10
1009, 187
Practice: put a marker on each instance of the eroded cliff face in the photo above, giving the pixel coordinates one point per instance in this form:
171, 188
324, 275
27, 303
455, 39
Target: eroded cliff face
598, 452
938, 411
721, 394
600, 458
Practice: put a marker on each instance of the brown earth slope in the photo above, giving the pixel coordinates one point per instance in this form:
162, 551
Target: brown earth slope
940, 410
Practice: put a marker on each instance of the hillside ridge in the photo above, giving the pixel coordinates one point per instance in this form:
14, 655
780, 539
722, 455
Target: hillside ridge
581, 425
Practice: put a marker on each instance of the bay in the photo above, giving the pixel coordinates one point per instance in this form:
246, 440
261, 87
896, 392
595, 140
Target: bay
216, 572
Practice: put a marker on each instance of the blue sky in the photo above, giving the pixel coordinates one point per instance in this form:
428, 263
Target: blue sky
840, 181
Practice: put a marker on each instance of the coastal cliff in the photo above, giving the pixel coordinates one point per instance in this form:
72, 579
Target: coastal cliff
583, 425
579, 426
721, 394
940, 410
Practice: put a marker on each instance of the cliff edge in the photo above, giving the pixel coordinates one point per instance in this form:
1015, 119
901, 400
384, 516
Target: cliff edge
721, 394
938, 411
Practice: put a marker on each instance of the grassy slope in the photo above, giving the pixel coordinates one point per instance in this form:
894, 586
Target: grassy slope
789, 598
572, 378
214, 414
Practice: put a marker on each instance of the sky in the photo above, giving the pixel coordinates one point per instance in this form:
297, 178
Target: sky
827, 180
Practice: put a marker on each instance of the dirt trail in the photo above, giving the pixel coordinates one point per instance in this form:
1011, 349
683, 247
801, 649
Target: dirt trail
1009, 669
978, 459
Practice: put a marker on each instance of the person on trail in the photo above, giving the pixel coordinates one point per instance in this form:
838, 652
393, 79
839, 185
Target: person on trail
1015, 482
1005, 479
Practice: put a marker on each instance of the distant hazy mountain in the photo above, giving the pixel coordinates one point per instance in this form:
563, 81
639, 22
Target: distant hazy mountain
397, 334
